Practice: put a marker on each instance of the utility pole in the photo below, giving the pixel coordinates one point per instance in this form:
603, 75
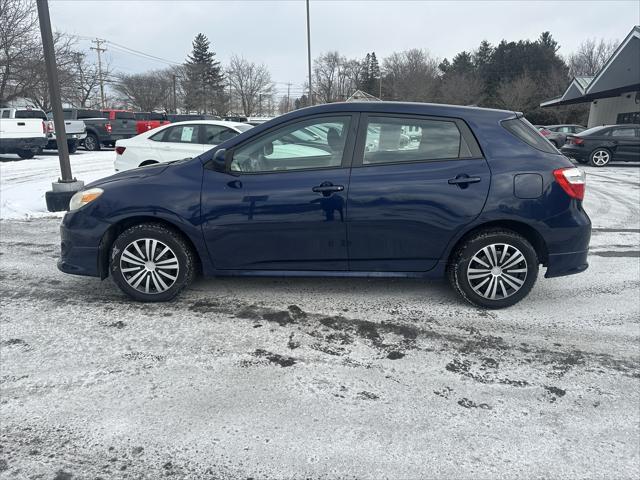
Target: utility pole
58, 198
98, 48
309, 55
175, 98
288, 97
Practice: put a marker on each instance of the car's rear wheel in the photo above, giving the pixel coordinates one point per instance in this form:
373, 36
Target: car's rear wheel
91, 143
26, 154
152, 263
494, 268
600, 157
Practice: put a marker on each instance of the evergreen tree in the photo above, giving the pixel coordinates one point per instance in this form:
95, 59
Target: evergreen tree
203, 86
374, 75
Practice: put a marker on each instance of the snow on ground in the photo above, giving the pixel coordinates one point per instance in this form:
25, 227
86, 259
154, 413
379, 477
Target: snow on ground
23, 183
319, 378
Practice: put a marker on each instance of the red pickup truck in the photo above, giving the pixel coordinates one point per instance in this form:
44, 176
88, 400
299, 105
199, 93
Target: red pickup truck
146, 121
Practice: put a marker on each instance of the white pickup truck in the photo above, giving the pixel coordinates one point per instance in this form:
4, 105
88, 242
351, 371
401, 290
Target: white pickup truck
22, 136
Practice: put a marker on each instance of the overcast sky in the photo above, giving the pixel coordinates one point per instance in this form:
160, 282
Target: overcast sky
274, 32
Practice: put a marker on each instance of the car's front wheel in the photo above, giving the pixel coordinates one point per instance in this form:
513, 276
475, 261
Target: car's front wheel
152, 263
600, 157
494, 268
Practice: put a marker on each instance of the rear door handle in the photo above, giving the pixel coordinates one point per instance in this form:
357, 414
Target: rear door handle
326, 187
464, 180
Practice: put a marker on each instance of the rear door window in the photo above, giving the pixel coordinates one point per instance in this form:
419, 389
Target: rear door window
526, 132
398, 140
178, 134
30, 114
623, 132
125, 116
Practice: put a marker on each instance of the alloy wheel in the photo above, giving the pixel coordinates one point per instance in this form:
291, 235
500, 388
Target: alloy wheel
601, 158
149, 266
497, 271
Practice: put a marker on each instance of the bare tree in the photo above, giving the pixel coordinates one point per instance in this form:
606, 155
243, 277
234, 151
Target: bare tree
145, 91
18, 48
521, 94
334, 77
461, 89
591, 56
410, 75
251, 84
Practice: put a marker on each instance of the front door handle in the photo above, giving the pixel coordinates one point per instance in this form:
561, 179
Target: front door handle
463, 180
327, 188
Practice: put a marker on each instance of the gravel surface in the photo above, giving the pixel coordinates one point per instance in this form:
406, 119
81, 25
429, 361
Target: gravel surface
323, 378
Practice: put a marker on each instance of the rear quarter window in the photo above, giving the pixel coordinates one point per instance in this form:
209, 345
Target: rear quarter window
526, 132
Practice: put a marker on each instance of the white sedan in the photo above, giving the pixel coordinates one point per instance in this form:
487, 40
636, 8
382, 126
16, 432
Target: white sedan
174, 141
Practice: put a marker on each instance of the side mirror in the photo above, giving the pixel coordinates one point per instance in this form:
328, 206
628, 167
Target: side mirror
219, 161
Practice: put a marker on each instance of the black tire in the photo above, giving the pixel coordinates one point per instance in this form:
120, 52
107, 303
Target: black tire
73, 147
26, 154
91, 142
151, 279
465, 256
600, 157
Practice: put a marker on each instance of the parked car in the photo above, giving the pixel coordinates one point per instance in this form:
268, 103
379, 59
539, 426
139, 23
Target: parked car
185, 117
557, 134
482, 198
21, 132
146, 121
75, 131
173, 142
601, 145
557, 139
98, 127
123, 124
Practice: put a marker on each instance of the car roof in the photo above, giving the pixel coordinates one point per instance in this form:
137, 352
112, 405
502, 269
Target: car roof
222, 123
401, 108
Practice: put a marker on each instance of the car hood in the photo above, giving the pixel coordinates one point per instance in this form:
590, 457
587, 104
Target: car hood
136, 173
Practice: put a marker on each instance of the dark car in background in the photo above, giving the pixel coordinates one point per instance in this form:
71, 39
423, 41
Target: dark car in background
123, 125
98, 127
185, 117
602, 145
479, 197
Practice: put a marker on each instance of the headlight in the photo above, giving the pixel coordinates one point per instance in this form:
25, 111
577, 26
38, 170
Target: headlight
83, 197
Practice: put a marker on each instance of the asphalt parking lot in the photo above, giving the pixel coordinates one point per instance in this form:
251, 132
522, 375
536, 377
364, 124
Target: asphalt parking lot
324, 378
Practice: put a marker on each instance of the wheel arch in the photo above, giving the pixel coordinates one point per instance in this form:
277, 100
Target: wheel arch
117, 228
521, 228
148, 162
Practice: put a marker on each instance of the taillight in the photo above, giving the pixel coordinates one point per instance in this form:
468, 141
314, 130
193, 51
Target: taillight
120, 150
50, 127
572, 180
544, 132
107, 126
575, 140
44, 127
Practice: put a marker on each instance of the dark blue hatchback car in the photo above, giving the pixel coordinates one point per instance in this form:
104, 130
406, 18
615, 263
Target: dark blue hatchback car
345, 189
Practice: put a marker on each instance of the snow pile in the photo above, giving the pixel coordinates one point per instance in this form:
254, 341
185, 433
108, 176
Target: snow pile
23, 183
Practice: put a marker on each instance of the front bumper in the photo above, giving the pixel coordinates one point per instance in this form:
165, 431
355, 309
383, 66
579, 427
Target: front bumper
81, 247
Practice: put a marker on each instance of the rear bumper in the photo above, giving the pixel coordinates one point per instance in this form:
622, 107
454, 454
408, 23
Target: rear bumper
562, 264
574, 152
14, 145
